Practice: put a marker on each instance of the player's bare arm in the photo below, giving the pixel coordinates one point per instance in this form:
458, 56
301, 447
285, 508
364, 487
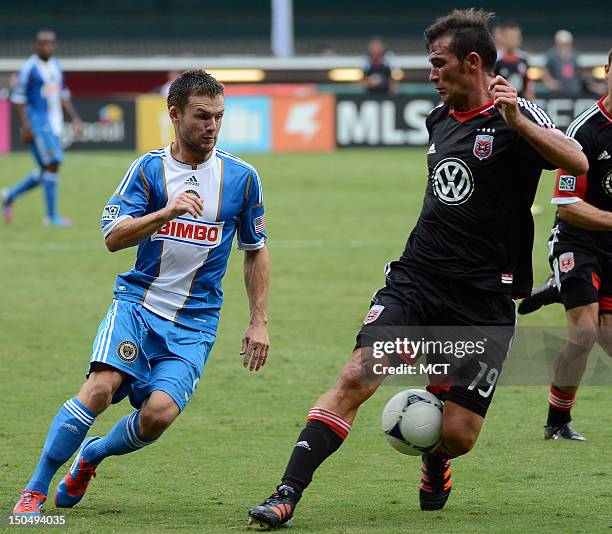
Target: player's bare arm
26, 129
130, 232
74, 116
551, 143
256, 343
585, 215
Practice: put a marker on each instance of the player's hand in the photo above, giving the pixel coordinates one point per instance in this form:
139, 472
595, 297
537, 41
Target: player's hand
26, 134
77, 125
182, 204
255, 346
505, 99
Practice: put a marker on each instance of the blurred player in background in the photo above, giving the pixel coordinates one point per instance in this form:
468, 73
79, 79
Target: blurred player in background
468, 255
512, 62
39, 95
561, 73
581, 257
378, 69
182, 206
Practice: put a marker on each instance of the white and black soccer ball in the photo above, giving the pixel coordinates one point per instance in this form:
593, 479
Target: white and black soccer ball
412, 421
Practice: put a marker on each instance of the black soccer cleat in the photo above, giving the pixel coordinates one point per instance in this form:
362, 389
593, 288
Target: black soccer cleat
436, 482
564, 431
546, 294
277, 510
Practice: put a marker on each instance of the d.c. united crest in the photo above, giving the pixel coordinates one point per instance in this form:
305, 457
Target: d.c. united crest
483, 146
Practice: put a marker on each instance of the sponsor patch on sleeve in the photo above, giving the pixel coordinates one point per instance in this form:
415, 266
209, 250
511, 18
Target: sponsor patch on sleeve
567, 182
111, 212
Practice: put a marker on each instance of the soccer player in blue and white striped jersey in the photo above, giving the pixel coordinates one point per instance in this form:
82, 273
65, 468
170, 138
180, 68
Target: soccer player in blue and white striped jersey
39, 96
182, 205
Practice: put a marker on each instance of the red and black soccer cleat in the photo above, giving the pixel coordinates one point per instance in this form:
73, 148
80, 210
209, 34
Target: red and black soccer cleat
277, 510
436, 482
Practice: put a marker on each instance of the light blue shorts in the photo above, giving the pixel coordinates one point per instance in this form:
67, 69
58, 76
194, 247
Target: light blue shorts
156, 354
46, 147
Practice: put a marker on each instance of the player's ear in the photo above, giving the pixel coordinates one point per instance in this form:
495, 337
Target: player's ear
174, 112
473, 61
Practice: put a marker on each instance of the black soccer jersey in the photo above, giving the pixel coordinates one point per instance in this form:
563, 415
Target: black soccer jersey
476, 222
514, 68
593, 130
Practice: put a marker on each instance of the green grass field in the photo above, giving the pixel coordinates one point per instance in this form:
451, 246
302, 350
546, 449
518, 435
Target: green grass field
334, 220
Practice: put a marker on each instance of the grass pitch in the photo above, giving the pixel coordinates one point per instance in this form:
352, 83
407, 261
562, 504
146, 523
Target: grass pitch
334, 220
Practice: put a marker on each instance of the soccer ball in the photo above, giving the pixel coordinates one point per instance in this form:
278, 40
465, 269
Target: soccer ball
412, 422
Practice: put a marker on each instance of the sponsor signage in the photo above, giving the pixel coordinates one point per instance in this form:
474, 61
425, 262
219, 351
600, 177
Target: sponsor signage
246, 124
5, 126
154, 127
303, 124
363, 121
107, 125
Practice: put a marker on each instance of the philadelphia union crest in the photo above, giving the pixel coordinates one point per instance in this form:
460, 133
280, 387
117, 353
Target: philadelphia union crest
483, 146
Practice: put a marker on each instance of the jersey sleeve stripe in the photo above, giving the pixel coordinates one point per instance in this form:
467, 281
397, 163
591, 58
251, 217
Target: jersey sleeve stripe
573, 128
537, 113
125, 180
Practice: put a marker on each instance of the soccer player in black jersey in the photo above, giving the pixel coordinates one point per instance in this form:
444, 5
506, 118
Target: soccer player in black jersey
512, 62
580, 250
468, 254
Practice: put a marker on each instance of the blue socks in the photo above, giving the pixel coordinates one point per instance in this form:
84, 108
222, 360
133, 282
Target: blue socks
67, 432
122, 439
49, 180
33, 179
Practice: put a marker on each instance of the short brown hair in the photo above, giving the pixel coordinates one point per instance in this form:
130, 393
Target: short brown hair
469, 31
192, 82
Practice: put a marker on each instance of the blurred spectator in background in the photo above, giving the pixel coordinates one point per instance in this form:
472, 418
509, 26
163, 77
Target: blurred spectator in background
561, 74
172, 75
378, 69
496, 33
512, 62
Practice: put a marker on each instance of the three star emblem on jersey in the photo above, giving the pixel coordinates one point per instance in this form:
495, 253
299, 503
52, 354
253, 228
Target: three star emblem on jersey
483, 146
452, 181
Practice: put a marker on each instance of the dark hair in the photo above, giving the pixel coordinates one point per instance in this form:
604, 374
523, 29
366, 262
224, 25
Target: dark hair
192, 82
469, 32
610, 57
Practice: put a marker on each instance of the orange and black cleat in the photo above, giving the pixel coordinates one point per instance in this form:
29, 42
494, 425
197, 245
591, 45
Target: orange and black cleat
29, 503
436, 482
277, 510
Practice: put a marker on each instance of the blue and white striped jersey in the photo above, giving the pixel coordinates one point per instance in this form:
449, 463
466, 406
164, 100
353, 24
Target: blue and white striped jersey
41, 87
178, 270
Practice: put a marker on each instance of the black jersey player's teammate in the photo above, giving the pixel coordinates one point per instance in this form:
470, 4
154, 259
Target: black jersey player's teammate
581, 258
470, 249
512, 62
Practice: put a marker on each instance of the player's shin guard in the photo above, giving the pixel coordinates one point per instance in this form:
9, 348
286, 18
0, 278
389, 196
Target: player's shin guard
49, 180
65, 436
559, 406
122, 439
30, 182
322, 436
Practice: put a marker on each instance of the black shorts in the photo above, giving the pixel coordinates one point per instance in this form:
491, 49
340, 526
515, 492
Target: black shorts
442, 313
583, 276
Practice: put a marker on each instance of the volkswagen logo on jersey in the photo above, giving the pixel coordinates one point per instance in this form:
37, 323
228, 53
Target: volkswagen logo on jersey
483, 146
452, 181
607, 183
